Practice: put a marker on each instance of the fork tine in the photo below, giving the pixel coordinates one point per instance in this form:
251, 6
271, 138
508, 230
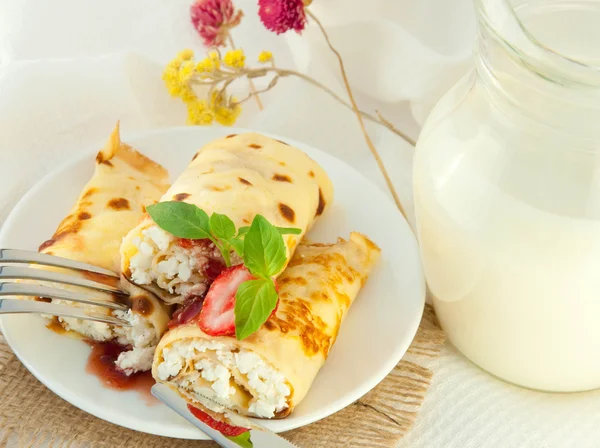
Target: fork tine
15, 306
31, 257
19, 273
28, 289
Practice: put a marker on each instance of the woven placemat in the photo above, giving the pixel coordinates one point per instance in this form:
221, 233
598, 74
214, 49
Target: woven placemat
32, 416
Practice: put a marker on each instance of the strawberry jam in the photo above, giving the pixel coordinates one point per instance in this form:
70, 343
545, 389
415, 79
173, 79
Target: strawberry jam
188, 312
101, 363
204, 250
213, 268
204, 244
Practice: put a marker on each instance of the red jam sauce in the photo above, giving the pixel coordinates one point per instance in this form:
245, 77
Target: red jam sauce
204, 249
189, 311
101, 363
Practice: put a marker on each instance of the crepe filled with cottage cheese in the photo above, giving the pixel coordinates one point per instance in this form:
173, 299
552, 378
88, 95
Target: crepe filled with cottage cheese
111, 204
239, 176
267, 374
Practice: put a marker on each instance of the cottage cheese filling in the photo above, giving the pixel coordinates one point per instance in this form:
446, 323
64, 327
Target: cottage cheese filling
162, 260
141, 336
186, 361
159, 259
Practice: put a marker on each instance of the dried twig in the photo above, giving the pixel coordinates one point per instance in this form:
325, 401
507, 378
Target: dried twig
252, 87
359, 116
251, 73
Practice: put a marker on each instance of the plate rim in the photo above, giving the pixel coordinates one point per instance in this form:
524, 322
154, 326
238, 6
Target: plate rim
334, 406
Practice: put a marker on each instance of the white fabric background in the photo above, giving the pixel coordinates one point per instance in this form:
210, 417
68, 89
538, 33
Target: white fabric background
70, 68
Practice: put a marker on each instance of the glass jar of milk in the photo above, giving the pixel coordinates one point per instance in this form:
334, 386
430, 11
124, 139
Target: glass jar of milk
507, 195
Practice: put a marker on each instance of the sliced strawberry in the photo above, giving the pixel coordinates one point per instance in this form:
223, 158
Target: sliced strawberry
217, 316
224, 428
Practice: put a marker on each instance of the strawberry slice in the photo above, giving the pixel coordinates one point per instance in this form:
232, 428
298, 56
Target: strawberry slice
217, 316
224, 428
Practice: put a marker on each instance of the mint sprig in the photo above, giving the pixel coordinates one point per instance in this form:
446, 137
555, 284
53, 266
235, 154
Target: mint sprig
255, 300
221, 226
282, 230
189, 221
264, 250
264, 256
181, 219
260, 246
243, 440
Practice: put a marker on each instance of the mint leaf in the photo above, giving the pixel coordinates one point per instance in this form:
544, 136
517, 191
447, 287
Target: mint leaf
282, 231
221, 226
238, 245
264, 250
288, 231
225, 250
189, 221
242, 440
243, 230
254, 302
180, 219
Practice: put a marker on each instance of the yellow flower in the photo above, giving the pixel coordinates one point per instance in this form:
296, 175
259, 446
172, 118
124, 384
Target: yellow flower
207, 65
185, 55
174, 64
186, 71
227, 116
177, 77
187, 94
235, 58
226, 111
215, 100
171, 78
170, 74
215, 58
201, 67
265, 56
199, 113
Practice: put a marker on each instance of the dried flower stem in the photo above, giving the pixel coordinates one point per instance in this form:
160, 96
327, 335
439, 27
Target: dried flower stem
252, 87
279, 72
376, 119
359, 116
391, 127
266, 89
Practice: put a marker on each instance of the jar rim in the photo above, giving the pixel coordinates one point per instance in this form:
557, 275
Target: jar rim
501, 20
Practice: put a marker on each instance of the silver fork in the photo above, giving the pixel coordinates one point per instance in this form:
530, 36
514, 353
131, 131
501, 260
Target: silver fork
95, 290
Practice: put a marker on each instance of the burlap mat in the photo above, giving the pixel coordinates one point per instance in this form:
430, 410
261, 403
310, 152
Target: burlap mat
31, 415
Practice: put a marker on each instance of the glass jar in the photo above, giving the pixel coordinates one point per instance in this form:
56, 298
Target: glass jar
507, 196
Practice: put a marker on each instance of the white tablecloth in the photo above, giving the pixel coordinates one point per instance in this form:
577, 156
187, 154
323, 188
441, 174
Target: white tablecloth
70, 68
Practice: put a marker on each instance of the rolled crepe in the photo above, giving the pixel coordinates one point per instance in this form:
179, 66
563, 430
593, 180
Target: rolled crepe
267, 374
239, 176
111, 204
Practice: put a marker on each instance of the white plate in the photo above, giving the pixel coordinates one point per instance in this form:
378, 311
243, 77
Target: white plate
379, 328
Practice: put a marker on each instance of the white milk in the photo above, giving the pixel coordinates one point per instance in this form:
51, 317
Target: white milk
509, 227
